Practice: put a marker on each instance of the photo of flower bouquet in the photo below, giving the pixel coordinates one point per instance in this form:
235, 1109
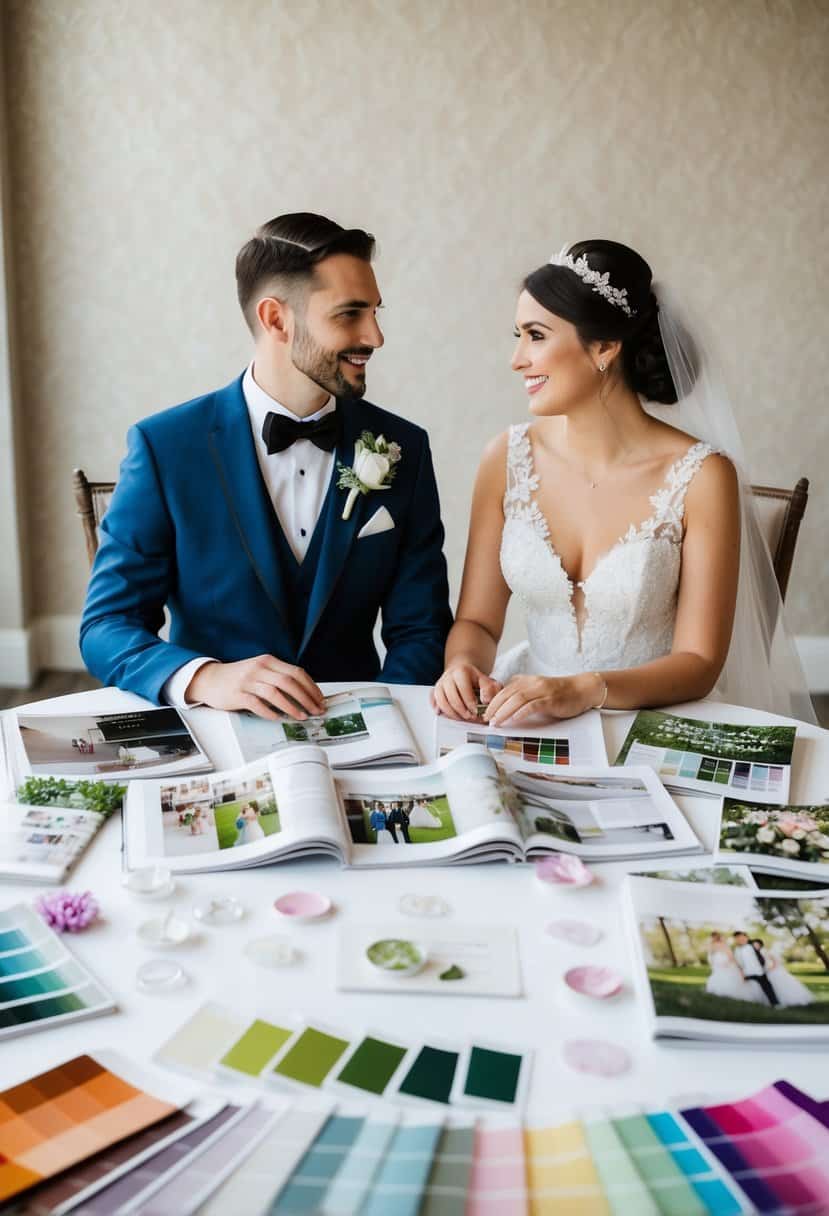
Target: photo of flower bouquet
790, 838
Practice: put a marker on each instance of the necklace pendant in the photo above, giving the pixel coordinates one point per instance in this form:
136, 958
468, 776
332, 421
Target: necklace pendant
593, 485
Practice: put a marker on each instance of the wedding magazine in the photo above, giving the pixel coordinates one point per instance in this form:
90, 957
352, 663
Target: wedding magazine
790, 840
462, 808
730, 964
139, 743
361, 728
42, 843
712, 758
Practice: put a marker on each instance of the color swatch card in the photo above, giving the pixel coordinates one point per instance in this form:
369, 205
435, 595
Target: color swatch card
481, 960
713, 758
577, 741
369, 1066
489, 1075
67, 1114
308, 1057
197, 1046
41, 983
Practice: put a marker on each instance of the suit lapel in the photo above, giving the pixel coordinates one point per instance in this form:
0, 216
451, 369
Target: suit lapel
234, 456
339, 533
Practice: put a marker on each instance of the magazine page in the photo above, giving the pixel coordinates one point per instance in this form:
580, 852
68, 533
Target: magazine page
713, 758
441, 812
731, 963
140, 743
361, 728
577, 741
42, 843
283, 806
790, 839
597, 813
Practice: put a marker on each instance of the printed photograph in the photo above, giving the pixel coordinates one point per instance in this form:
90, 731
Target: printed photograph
723, 876
768, 964
759, 744
200, 815
105, 743
342, 722
585, 810
788, 833
419, 817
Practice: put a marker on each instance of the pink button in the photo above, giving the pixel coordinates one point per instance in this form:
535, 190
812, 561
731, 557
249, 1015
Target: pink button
303, 905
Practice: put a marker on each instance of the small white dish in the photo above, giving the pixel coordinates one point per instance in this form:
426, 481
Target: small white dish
218, 910
164, 932
397, 957
413, 904
300, 906
271, 952
160, 975
149, 882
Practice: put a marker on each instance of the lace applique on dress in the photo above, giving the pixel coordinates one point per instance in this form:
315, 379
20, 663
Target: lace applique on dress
629, 598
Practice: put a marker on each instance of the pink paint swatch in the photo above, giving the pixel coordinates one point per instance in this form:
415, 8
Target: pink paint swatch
597, 1057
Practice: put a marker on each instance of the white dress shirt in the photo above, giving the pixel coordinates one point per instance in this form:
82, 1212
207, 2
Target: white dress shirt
297, 482
748, 961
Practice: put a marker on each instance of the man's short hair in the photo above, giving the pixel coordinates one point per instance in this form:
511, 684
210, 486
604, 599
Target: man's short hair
284, 252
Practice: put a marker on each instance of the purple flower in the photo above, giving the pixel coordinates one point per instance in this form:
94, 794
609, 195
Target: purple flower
68, 912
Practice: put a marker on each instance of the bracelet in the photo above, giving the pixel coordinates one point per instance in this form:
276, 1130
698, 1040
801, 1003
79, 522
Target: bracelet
599, 676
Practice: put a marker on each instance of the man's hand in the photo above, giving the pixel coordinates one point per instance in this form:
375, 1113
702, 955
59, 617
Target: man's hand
263, 686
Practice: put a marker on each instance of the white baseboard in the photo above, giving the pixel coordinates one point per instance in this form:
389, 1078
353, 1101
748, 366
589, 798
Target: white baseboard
16, 658
52, 642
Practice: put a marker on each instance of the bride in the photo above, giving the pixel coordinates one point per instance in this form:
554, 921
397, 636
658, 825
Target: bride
726, 978
619, 531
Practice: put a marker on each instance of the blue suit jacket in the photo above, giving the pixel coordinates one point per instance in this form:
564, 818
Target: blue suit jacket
191, 526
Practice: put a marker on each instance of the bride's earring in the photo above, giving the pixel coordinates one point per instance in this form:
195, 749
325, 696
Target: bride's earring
602, 367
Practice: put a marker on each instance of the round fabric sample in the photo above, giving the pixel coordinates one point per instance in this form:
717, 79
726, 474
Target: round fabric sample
575, 932
597, 1057
218, 910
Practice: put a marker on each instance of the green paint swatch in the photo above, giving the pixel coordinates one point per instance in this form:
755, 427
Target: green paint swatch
311, 1057
259, 1044
372, 1065
492, 1074
669, 1187
431, 1075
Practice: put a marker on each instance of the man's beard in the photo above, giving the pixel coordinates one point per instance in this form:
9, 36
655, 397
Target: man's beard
323, 366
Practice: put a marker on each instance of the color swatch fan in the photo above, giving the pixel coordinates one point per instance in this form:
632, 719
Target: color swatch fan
42, 984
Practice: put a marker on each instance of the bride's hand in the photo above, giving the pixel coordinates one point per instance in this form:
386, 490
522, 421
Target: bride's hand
543, 698
458, 690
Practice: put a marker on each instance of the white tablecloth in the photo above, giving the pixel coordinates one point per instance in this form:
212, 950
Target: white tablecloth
491, 894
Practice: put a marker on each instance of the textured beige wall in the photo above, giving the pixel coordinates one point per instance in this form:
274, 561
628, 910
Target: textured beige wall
474, 137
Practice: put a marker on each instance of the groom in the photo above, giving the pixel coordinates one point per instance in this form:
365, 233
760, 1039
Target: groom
752, 963
228, 511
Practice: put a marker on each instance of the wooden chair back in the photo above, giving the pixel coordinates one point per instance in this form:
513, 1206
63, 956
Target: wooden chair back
781, 513
92, 499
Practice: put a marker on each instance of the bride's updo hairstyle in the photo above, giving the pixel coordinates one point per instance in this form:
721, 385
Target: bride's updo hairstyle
628, 310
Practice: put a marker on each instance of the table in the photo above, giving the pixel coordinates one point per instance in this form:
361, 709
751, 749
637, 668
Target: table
487, 894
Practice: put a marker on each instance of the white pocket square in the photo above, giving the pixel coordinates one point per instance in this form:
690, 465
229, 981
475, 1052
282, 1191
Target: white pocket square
380, 521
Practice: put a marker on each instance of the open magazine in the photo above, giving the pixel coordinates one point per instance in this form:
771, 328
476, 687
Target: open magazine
576, 741
791, 840
712, 758
730, 964
138, 743
361, 728
463, 808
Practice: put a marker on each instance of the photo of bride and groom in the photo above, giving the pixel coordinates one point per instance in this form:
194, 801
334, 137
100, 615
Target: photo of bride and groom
746, 969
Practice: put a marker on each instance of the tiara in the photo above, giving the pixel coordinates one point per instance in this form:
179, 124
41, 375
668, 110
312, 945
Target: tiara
617, 296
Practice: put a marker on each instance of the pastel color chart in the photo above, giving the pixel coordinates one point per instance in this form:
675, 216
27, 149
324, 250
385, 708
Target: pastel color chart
498, 1177
203, 1172
777, 1151
305, 1191
561, 1175
65, 1115
270, 1165
203, 1039
130, 1191
352, 1184
41, 982
448, 1183
403, 1174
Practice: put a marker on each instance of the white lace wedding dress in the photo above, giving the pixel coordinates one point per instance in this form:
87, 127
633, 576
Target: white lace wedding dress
629, 598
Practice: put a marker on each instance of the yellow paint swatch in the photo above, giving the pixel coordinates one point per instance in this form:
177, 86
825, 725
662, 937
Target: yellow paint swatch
561, 1176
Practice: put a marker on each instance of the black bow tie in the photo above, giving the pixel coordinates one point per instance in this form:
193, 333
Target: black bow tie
279, 432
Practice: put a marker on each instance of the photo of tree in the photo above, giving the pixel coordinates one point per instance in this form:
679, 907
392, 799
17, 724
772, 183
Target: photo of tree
727, 741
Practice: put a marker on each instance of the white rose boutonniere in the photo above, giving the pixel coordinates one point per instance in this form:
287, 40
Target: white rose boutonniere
375, 464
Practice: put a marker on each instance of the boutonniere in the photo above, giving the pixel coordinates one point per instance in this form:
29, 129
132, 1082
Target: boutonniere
375, 464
